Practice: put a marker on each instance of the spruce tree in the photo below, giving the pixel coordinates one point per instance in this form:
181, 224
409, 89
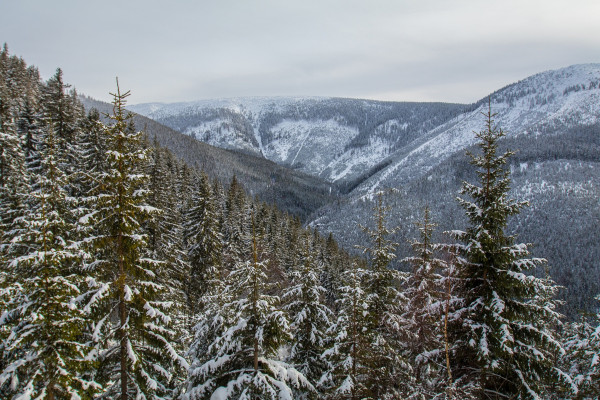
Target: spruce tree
347, 357
132, 326
235, 225
14, 188
289, 255
166, 238
44, 356
29, 128
204, 243
58, 111
92, 144
14, 177
502, 337
332, 271
246, 333
14, 185
424, 310
593, 354
582, 355
14, 195
388, 376
310, 318
62, 112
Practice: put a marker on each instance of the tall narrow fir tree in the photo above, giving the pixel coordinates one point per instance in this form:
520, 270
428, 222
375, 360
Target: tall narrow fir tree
132, 326
502, 333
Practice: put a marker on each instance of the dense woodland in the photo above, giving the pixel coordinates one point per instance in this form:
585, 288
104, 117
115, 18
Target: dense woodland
126, 274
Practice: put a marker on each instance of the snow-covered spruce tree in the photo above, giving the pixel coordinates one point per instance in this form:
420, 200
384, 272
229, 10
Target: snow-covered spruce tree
184, 186
211, 319
502, 337
131, 325
92, 157
29, 128
14, 183
332, 270
235, 225
289, 256
161, 197
165, 237
247, 333
347, 357
389, 374
593, 376
582, 359
59, 110
43, 356
447, 387
310, 318
204, 244
329, 274
273, 236
14, 178
424, 311
14, 186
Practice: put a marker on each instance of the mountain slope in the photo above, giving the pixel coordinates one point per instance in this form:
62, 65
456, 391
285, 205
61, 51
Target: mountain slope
547, 101
552, 120
338, 140
292, 191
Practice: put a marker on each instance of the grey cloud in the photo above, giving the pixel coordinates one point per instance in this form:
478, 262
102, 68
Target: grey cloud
388, 49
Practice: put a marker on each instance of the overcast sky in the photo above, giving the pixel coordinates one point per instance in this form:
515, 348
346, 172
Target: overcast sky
405, 50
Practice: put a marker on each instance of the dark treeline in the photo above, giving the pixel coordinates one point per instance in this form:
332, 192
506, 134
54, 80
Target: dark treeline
126, 274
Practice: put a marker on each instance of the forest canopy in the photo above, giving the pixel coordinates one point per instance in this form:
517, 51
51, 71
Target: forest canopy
125, 273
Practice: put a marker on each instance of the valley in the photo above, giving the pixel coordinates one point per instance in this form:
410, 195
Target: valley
361, 147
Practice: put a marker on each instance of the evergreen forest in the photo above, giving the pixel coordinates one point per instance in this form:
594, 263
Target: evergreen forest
126, 273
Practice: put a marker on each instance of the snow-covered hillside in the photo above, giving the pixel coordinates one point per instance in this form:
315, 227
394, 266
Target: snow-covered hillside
547, 101
213, 121
335, 139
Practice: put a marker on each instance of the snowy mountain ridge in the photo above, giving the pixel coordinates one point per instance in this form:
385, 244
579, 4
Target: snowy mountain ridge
251, 104
250, 108
363, 142
556, 99
332, 138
